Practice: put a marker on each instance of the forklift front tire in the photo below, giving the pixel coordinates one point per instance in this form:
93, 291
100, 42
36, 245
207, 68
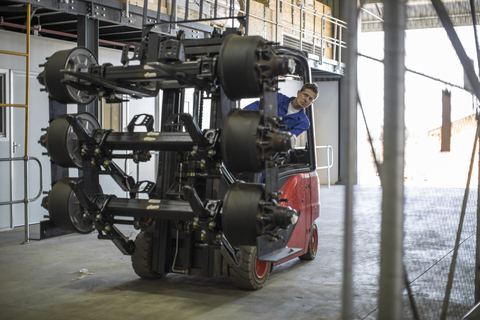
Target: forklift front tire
251, 274
142, 257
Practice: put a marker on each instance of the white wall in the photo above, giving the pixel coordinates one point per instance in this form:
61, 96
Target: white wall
38, 118
326, 111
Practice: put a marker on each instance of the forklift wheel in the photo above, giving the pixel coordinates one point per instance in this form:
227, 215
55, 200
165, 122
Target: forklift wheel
312, 244
251, 274
142, 257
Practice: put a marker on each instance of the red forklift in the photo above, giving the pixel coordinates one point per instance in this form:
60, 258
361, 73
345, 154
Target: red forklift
206, 213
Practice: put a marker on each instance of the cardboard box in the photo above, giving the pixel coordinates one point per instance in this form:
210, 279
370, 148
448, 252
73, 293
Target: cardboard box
259, 26
291, 18
255, 21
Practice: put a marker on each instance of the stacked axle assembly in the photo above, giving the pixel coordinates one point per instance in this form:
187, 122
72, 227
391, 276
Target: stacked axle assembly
197, 205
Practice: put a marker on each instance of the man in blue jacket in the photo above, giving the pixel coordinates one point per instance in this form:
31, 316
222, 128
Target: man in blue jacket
292, 109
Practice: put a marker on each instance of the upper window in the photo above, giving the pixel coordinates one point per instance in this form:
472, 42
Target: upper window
111, 116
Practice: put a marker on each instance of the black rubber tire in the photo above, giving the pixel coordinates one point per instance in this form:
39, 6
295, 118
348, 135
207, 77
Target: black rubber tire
312, 244
62, 142
251, 274
73, 60
142, 257
64, 209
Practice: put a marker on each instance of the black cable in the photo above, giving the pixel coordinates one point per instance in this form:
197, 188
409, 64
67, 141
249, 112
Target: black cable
416, 72
413, 304
377, 164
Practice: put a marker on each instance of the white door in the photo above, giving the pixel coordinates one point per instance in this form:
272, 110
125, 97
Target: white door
38, 114
5, 152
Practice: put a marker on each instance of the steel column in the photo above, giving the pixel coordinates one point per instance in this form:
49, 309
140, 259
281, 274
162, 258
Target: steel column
477, 247
349, 147
87, 31
391, 252
348, 109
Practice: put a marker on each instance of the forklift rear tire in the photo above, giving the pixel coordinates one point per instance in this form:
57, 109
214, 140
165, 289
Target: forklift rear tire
142, 257
312, 244
251, 274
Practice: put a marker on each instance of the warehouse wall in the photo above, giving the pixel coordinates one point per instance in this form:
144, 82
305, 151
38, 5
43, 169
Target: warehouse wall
12, 216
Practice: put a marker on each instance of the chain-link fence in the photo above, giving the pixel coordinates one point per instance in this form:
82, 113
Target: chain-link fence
437, 210
432, 216
441, 188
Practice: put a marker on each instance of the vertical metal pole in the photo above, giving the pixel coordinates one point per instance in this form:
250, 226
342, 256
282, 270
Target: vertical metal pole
322, 37
173, 14
247, 13
276, 20
25, 177
334, 45
339, 43
301, 28
27, 76
477, 249
145, 12
314, 30
232, 12
88, 33
264, 22
328, 165
350, 146
391, 252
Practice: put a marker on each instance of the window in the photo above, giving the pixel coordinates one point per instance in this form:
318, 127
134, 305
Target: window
111, 116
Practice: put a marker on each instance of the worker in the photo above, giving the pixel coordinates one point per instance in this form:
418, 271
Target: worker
292, 109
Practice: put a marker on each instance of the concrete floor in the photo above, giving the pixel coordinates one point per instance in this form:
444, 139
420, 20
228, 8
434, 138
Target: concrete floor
41, 280
81, 277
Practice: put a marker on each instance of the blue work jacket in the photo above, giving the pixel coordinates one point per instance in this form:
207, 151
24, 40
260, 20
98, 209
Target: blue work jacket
296, 123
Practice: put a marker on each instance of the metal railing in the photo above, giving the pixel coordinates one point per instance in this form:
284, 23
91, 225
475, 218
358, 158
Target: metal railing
26, 200
300, 26
309, 34
25, 106
329, 161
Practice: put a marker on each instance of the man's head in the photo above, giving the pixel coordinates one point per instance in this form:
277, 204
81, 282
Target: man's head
305, 96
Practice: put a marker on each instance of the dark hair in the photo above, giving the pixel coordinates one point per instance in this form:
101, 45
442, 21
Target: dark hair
311, 86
